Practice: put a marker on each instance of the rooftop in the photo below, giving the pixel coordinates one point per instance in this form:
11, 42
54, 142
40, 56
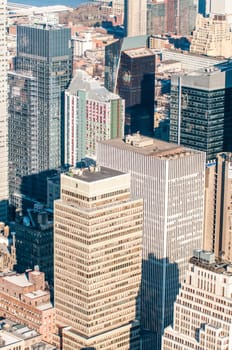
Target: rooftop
219, 267
139, 52
83, 81
150, 147
19, 280
93, 174
36, 294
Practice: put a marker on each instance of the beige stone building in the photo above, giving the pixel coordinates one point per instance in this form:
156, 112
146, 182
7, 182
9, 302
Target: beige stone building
98, 242
24, 299
7, 249
135, 17
203, 309
218, 207
212, 37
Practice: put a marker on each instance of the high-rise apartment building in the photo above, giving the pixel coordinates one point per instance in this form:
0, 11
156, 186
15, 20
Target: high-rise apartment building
202, 316
201, 108
171, 181
212, 36
36, 104
135, 17
3, 115
98, 242
92, 114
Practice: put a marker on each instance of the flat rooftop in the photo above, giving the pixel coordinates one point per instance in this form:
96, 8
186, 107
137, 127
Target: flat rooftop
219, 267
150, 147
19, 280
139, 52
93, 174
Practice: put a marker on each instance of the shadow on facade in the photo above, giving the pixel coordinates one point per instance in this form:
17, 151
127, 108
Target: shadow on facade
160, 286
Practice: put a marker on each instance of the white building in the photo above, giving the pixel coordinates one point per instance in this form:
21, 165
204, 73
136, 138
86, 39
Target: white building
82, 43
170, 179
92, 114
3, 114
203, 309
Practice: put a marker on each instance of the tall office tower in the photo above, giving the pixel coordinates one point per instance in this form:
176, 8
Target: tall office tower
212, 36
201, 108
98, 238
135, 17
186, 16
92, 114
156, 18
171, 181
36, 106
218, 210
136, 84
3, 115
202, 317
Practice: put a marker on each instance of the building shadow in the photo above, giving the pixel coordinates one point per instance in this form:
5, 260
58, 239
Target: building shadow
160, 286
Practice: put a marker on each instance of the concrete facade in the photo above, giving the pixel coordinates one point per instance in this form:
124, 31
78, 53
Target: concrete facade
203, 309
168, 177
98, 237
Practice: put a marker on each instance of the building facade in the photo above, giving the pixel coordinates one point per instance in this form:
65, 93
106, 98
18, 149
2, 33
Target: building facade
24, 299
3, 115
136, 84
92, 114
218, 211
135, 17
212, 36
43, 67
203, 309
201, 108
7, 249
98, 237
34, 241
168, 177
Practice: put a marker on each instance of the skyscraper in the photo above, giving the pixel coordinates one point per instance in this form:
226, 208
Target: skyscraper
3, 115
130, 71
171, 181
135, 17
98, 237
43, 67
92, 114
201, 108
218, 210
202, 318
136, 84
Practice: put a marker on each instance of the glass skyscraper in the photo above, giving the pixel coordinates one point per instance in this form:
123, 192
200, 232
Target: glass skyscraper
43, 67
201, 110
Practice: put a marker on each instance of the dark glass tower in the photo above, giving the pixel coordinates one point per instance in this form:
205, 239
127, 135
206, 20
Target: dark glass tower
135, 84
43, 68
201, 110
